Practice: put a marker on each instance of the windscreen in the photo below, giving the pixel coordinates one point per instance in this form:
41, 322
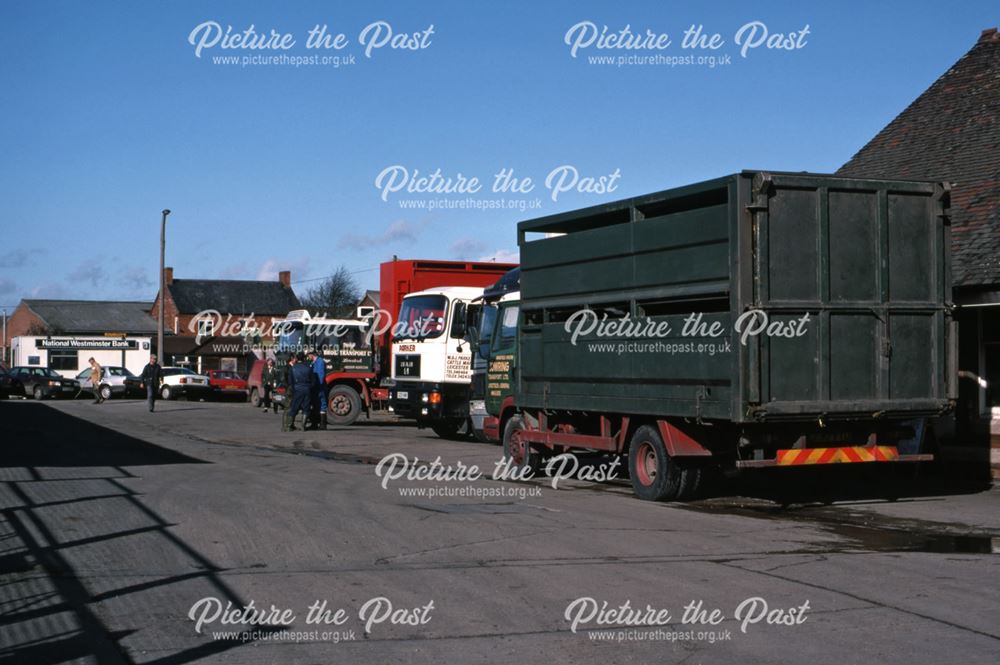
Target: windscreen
291, 340
421, 317
486, 323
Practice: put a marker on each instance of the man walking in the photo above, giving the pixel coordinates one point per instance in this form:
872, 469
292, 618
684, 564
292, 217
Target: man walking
268, 381
95, 380
300, 382
319, 388
152, 375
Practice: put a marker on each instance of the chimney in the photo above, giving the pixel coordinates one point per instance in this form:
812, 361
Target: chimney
989, 35
168, 276
285, 277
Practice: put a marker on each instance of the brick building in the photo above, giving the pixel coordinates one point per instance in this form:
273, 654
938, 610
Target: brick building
206, 319
951, 132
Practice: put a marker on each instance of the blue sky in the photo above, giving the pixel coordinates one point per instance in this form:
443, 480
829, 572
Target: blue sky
108, 117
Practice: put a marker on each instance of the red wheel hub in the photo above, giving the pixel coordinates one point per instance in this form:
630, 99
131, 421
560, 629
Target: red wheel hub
340, 405
518, 448
646, 463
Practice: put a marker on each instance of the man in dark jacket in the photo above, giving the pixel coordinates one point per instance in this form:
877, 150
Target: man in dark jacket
268, 383
152, 375
300, 386
318, 407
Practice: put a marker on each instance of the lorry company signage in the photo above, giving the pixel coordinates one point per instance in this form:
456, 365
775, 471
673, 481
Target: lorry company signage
93, 344
457, 367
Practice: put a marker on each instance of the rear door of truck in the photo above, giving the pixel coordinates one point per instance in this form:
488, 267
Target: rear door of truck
868, 261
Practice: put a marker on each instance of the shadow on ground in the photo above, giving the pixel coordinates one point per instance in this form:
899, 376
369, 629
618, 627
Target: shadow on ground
63, 506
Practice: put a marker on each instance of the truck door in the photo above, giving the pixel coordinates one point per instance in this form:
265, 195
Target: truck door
503, 357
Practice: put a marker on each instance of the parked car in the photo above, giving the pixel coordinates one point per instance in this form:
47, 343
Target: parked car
133, 386
41, 382
178, 381
6, 382
227, 384
113, 382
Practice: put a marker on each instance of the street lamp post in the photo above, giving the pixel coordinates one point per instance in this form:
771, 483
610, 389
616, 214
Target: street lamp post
159, 325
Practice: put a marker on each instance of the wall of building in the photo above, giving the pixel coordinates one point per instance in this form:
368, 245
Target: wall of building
21, 322
71, 361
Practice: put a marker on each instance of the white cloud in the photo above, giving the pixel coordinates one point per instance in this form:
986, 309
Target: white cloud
399, 231
269, 270
464, 248
503, 256
88, 272
49, 290
136, 278
18, 258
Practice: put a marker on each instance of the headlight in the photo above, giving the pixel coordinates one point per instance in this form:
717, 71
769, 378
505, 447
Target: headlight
53, 383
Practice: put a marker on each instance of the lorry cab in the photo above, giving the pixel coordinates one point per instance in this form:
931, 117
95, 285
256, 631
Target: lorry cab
486, 384
431, 359
345, 344
351, 383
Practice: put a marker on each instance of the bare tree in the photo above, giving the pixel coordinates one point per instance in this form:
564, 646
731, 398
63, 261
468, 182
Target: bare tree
336, 295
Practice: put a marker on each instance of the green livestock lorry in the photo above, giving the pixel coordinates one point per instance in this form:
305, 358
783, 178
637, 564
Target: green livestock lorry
759, 319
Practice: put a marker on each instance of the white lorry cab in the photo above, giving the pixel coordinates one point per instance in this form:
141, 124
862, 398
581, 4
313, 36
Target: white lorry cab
431, 359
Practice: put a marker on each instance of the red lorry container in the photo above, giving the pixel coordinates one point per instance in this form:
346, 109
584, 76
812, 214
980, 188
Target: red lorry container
399, 277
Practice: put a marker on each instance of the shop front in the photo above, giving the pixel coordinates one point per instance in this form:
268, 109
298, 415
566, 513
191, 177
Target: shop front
69, 354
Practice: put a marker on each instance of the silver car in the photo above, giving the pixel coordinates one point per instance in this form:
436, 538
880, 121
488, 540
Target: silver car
112, 381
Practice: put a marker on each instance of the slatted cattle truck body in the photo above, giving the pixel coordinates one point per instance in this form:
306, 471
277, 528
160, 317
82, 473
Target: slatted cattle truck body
832, 342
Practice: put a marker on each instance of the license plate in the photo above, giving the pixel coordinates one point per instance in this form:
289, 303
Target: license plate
67, 389
402, 394
408, 366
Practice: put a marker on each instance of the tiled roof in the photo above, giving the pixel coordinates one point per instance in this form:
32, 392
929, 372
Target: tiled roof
94, 316
952, 132
232, 296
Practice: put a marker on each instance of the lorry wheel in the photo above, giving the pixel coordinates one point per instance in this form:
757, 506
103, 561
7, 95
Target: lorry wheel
165, 392
655, 477
516, 449
344, 405
447, 429
255, 398
106, 392
479, 435
692, 481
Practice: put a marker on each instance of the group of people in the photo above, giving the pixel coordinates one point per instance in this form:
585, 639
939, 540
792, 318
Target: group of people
303, 379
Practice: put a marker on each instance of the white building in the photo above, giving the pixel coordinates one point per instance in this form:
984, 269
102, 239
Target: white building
70, 354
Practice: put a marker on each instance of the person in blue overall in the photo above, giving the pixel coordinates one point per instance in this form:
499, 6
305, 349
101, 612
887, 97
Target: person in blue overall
319, 392
300, 382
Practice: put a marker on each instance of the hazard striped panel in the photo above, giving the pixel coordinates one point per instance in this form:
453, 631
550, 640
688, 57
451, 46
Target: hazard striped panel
844, 455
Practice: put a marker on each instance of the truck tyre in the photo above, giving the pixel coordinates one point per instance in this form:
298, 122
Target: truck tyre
518, 450
692, 482
447, 429
655, 477
255, 398
165, 393
344, 405
479, 435
106, 393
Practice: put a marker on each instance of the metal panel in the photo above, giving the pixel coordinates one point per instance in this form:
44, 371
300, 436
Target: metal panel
866, 259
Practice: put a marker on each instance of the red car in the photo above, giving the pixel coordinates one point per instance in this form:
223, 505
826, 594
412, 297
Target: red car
227, 384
